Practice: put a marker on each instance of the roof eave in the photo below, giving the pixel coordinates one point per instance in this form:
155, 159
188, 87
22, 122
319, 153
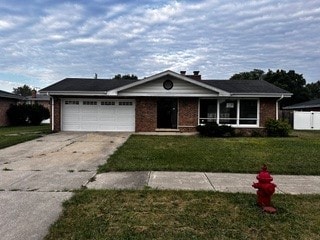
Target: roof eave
267, 95
76, 93
302, 107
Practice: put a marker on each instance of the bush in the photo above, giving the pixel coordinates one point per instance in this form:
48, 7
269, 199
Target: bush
38, 113
277, 128
20, 115
214, 130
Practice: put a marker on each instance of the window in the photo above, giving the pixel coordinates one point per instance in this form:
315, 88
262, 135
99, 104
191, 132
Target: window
125, 103
89, 103
71, 102
107, 103
235, 112
248, 112
208, 110
228, 111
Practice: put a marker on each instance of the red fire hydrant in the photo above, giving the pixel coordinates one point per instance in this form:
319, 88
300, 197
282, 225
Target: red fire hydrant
265, 190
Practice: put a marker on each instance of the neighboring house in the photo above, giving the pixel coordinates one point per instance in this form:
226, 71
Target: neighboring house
40, 99
36, 98
6, 100
167, 101
312, 105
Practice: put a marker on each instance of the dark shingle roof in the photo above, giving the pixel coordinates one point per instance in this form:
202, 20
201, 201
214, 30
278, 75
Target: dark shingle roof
245, 86
4, 94
39, 97
309, 104
87, 84
98, 85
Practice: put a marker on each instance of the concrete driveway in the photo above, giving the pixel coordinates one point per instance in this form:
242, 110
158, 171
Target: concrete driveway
37, 176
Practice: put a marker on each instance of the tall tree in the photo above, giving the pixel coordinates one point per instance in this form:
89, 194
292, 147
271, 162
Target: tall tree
255, 74
25, 90
314, 89
126, 76
290, 81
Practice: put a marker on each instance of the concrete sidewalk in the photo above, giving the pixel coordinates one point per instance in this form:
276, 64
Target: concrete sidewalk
222, 182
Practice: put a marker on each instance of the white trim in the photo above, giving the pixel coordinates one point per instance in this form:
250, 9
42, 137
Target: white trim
78, 93
259, 95
111, 93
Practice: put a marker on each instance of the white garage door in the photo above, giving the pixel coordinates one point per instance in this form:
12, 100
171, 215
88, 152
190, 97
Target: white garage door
98, 115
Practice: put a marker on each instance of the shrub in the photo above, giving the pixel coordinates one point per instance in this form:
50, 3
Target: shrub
277, 128
214, 130
17, 115
24, 114
38, 113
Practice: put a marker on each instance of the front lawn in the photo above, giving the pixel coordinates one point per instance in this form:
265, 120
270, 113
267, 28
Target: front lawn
298, 154
13, 135
151, 214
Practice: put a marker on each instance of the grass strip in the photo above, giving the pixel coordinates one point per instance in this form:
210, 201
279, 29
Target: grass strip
13, 135
294, 155
152, 214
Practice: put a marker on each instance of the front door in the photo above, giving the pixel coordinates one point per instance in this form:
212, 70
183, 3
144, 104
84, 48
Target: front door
167, 113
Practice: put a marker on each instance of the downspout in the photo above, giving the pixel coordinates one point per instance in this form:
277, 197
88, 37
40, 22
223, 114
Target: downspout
277, 106
52, 114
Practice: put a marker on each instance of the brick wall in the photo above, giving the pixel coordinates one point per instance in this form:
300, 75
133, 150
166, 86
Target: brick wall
57, 115
4, 106
267, 110
188, 114
146, 114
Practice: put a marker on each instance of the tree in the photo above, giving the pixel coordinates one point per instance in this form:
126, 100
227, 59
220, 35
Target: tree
126, 76
314, 90
255, 74
25, 90
290, 81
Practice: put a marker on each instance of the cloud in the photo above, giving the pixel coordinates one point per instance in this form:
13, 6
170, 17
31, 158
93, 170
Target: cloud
51, 40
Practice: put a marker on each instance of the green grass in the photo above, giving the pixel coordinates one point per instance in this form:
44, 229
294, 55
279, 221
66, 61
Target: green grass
151, 214
298, 154
13, 135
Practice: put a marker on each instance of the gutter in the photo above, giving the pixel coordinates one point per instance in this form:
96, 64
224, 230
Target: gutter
277, 106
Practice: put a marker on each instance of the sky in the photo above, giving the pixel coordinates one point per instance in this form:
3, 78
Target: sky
45, 41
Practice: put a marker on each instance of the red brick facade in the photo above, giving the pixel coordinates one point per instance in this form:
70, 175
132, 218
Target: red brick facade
188, 114
57, 115
267, 110
4, 106
146, 114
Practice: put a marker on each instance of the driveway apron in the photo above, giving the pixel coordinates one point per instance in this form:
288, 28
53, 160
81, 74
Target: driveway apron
37, 176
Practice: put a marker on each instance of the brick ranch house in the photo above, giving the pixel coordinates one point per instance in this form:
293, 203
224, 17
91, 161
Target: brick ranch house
6, 100
166, 101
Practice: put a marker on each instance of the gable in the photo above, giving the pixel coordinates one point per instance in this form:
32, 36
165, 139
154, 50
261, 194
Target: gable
157, 88
181, 86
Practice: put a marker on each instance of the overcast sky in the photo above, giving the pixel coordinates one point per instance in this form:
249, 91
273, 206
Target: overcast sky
42, 41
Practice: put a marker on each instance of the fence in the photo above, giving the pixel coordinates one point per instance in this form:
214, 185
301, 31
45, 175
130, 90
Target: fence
306, 120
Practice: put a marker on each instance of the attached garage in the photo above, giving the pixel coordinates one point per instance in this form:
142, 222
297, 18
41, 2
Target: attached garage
98, 115
166, 101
